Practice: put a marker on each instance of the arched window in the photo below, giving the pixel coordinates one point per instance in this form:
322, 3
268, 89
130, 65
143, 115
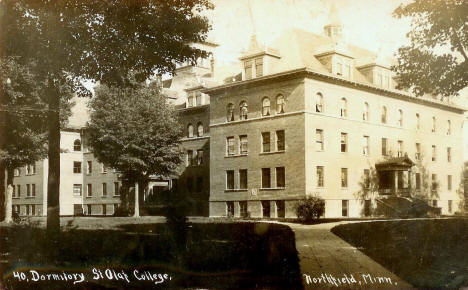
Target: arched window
400, 118
319, 103
190, 131
365, 113
230, 112
343, 110
266, 107
449, 127
200, 129
384, 115
279, 104
433, 124
77, 145
243, 110
418, 121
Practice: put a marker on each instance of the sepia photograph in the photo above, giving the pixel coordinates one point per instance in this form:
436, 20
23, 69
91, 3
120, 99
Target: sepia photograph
233, 144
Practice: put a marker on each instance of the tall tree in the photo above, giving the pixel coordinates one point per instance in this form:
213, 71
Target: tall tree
99, 40
136, 132
436, 61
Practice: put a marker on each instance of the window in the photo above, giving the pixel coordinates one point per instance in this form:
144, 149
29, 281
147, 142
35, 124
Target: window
199, 185
33, 209
33, 168
88, 207
450, 206
190, 131
449, 182
258, 67
190, 184
280, 140
104, 209
13, 194
344, 177
280, 177
367, 207
266, 107
343, 109
116, 189
189, 157
244, 149
230, 179
279, 104
386, 82
400, 118
198, 99
76, 167
367, 178
418, 181
104, 189
16, 172
266, 208
320, 182
33, 190
266, 178
28, 190
27, 209
434, 182
89, 167
418, 121
344, 142
400, 148
384, 115
89, 190
229, 208
77, 145
248, 69
243, 110
266, 142
230, 112
434, 203
434, 152
319, 139
190, 101
243, 208
344, 208
384, 147
199, 156
243, 179
18, 191
365, 113
77, 190
379, 79
339, 68
103, 168
319, 103
200, 129
449, 127
230, 146
449, 154
365, 145
28, 170
418, 151
433, 124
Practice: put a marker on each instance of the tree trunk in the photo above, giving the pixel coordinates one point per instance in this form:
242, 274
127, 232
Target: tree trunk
3, 191
53, 183
9, 196
137, 200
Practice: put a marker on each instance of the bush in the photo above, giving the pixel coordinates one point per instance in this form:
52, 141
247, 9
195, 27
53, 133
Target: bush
310, 208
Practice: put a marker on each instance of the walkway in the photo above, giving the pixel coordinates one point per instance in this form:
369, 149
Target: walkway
325, 259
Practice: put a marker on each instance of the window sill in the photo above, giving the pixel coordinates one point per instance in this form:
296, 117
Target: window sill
236, 190
77, 195
273, 152
103, 172
273, 188
30, 197
116, 196
89, 196
235, 155
15, 197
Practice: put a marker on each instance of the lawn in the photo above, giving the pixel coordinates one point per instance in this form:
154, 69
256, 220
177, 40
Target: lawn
216, 255
425, 253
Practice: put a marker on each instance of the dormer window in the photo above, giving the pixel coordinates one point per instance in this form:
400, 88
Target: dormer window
258, 67
339, 68
190, 102
248, 69
198, 99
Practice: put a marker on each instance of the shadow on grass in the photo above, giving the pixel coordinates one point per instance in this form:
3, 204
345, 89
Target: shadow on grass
227, 256
425, 253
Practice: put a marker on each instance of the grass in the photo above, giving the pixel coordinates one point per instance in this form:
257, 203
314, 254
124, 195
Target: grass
425, 253
215, 255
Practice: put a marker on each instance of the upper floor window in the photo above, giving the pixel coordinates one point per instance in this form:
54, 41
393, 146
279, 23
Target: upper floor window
384, 147
319, 103
319, 139
266, 107
190, 101
190, 131
265, 141
230, 150
344, 142
384, 115
16, 172
418, 121
243, 110
434, 153
279, 104
200, 131
365, 145
365, 112
258, 67
433, 124
77, 145
248, 69
449, 127
417, 156
230, 112
76, 167
343, 109
243, 144
103, 168
400, 118
280, 140
400, 148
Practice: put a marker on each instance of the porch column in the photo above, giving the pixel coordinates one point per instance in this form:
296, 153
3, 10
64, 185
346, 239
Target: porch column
395, 177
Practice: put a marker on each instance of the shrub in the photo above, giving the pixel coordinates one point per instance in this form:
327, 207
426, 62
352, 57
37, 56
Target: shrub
310, 208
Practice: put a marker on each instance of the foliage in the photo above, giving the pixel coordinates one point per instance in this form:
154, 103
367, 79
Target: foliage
368, 188
436, 61
310, 208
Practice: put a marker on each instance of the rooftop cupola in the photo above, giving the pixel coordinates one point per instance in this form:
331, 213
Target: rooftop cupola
335, 28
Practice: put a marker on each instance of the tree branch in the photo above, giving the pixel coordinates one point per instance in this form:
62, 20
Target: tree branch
459, 45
